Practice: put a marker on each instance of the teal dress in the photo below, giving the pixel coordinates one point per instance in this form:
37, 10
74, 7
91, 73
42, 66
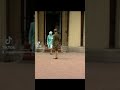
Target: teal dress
32, 36
50, 41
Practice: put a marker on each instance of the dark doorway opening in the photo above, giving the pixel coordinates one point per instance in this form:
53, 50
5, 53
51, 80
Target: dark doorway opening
82, 27
53, 20
112, 23
27, 15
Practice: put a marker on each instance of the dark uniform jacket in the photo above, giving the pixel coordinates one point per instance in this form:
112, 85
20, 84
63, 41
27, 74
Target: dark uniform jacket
56, 41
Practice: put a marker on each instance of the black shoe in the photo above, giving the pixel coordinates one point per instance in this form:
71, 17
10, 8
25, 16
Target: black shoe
55, 58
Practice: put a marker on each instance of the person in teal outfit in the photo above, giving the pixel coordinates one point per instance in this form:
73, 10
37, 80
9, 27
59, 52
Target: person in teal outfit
50, 41
32, 36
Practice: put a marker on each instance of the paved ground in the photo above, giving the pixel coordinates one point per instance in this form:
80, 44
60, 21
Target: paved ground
15, 76
68, 66
102, 76
99, 76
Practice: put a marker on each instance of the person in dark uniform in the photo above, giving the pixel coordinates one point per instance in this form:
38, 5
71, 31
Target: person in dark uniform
56, 40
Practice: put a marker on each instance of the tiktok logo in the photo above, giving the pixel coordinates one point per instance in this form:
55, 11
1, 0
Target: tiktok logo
8, 40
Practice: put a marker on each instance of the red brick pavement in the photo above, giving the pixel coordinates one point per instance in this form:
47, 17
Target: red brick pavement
68, 66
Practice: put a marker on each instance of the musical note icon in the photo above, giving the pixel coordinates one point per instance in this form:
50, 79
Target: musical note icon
8, 41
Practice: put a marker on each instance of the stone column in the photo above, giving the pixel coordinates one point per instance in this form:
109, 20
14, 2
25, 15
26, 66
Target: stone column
2, 23
64, 28
74, 29
14, 25
97, 24
36, 27
84, 31
117, 41
41, 27
97, 27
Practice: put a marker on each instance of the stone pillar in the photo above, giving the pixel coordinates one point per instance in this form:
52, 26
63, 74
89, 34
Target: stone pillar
36, 27
64, 28
97, 24
2, 23
84, 31
14, 25
41, 27
74, 29
117, 38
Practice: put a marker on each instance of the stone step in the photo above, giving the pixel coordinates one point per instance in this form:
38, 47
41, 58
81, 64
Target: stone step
64, 49
16, 55
106, 55
48, 50
76, 49
28, 56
